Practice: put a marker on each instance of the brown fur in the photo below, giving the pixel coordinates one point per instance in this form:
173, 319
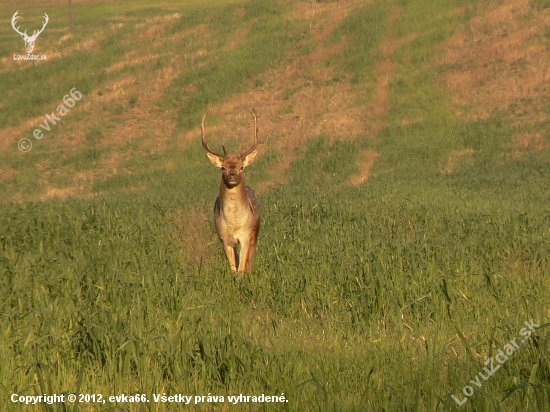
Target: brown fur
236, 211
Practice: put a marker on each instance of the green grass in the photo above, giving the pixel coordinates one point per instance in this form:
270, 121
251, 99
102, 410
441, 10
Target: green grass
389, 295
270, 41
366, 30
540, 4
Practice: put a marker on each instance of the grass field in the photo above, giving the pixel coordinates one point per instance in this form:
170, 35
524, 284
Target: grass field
403, 176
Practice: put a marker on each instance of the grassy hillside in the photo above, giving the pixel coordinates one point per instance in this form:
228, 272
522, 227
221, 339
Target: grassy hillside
402, 174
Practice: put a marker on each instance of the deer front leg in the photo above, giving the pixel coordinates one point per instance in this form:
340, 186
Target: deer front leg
231, 254
243, 258
251, 252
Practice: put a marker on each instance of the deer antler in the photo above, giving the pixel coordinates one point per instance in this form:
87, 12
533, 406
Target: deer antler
13, 21
37, 32
205, 143
243, 155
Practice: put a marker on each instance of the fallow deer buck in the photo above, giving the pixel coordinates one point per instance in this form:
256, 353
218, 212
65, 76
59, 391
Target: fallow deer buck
236, 211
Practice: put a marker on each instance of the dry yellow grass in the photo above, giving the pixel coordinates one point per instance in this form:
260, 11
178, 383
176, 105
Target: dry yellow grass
502, 62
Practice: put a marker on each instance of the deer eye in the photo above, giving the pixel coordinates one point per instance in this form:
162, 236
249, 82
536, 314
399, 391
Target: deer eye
223, 168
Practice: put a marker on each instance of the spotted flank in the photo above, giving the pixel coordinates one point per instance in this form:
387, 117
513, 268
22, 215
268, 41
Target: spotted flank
252, 200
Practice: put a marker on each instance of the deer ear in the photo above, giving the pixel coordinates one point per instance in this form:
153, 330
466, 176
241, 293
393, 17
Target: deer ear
216, 161
249, 158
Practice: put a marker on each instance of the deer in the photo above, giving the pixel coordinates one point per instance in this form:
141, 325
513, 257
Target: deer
29, 40
236, 210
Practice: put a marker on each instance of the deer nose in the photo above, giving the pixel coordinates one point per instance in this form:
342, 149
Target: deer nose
233, 178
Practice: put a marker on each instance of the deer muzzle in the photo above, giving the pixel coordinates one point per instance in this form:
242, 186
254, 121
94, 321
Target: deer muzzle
233, 179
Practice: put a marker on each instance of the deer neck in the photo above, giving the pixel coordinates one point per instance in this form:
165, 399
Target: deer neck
233, 198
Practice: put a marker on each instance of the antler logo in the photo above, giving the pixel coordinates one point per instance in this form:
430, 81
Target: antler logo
29, 40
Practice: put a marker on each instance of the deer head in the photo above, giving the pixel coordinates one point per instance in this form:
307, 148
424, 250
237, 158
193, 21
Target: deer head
232, 167
29, 40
